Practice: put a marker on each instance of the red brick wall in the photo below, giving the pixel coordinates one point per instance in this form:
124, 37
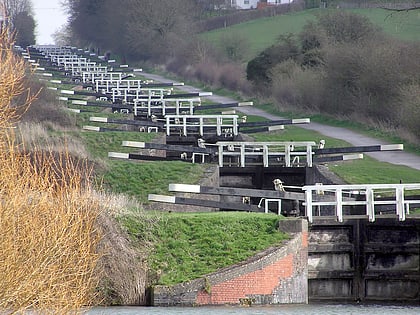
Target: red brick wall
305, 239
274, 276
260, 282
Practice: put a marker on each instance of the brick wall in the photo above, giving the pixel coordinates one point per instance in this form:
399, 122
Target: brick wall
277, 275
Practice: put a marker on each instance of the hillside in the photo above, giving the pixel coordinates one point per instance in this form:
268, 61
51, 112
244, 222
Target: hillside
262, 33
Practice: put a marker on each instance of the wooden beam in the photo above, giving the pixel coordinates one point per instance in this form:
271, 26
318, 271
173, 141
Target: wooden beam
348, 157
231, 191
146, 123
101, 129
205, 203
143, 157
227, 105
369, 148
181, 95
262, 129
168, 147
97, 103
275, 122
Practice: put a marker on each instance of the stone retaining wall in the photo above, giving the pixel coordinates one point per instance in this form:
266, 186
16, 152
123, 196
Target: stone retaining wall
277, 275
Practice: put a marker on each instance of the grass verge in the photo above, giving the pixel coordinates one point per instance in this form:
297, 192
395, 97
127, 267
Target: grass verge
190, 245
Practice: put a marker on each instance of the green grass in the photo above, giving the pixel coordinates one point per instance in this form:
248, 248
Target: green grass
404, 25
100, 143
191, 245
138, 179
370, 171
264, 32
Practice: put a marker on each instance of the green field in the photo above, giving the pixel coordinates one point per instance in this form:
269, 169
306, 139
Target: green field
404, 25
264, 32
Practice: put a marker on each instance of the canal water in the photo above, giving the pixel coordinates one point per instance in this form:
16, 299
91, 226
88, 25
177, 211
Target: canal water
310, 309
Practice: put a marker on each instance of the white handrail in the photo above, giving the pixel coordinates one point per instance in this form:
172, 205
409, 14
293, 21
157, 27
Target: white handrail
372, 192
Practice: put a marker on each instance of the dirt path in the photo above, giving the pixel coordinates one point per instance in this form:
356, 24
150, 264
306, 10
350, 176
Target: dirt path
356, 139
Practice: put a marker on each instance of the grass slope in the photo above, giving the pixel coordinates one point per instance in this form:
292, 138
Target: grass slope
137, 178
262, 33
191, 245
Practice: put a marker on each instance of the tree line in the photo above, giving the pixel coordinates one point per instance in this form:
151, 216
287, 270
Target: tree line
18, 17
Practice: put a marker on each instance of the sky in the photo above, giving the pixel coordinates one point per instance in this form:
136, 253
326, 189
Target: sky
49, 17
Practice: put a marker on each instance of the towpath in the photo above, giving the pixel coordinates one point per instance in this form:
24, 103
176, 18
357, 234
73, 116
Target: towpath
354, 138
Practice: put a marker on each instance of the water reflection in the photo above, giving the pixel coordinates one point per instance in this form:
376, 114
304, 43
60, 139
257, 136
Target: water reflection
337, 309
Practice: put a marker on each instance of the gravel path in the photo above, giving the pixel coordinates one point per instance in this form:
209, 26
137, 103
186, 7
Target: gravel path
354, 138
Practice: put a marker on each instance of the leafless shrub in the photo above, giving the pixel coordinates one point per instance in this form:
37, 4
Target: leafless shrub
231, 76
48, 217
207, 72
297, 86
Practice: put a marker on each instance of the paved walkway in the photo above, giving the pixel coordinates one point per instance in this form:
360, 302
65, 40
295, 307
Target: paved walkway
356, 139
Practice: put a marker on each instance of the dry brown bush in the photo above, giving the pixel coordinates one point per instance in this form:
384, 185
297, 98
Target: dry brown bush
48, 249
48, 214
207, 72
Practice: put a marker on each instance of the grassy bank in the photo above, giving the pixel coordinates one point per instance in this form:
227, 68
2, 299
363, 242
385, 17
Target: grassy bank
190, 245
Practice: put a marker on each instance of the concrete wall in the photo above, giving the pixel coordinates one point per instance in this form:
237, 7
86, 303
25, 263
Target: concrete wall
277, 275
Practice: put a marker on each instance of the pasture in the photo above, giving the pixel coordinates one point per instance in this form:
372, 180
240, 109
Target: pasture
262, 33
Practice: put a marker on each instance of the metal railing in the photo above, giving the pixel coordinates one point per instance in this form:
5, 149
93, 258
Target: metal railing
372, 197
221, 125
291, 153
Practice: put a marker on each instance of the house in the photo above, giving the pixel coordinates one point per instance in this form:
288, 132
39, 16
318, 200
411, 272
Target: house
277, 2
253, 4
244, 4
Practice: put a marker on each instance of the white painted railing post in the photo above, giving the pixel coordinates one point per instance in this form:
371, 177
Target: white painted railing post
220, 155
339, 204
267, 205
287, 155
219, 122
201, 126
309, 156
370, 204
168, 126
242, 148
184, 124
308, 204
265, 155
399, 195
235, 125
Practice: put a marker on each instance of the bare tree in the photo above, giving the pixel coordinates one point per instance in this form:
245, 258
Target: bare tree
159, 27
24, 25
15, 7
